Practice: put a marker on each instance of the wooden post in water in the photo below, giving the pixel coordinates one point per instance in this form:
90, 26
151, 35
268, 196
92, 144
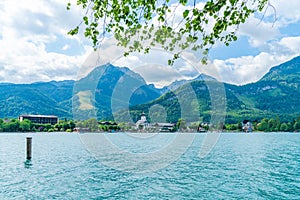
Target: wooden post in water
28, 148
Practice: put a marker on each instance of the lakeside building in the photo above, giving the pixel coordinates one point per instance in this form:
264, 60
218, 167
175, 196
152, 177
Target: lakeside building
203, 127
40, 119
247, 126
166, 127
142, 123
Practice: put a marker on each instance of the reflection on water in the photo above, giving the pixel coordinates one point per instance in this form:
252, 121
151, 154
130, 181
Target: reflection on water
249, 166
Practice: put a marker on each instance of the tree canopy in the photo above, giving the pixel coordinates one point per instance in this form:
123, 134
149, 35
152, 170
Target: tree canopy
175, 26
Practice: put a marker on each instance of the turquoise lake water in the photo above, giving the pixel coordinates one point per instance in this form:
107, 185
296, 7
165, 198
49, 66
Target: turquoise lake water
240, 166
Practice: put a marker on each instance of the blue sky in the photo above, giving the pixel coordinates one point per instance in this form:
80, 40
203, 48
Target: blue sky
35, 47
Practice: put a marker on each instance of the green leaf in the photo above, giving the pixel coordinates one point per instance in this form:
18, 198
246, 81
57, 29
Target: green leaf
69, 6
130, 22
86, 20
74, 31
186, 13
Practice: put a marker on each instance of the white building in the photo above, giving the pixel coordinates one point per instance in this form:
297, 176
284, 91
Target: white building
247, 126
142, 123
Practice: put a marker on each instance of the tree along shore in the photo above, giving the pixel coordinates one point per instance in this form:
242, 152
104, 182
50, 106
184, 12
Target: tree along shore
94, 125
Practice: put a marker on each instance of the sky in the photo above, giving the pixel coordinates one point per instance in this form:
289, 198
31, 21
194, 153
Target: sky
34, 47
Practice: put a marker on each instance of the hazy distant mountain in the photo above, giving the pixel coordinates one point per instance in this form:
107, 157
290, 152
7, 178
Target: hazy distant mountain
176, 84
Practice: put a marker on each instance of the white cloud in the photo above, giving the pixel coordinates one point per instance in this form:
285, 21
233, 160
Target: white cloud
263, 28
246, 69
29, 27
32, 63
158, 74
259, 32
65, 47
287, 12
290, 44
264, 34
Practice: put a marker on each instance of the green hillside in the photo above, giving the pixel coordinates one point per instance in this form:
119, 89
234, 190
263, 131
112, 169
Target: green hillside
38, 98
192, 102
276, 94
95, 95
110, 89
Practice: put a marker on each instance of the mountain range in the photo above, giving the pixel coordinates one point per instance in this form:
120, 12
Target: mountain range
109, 92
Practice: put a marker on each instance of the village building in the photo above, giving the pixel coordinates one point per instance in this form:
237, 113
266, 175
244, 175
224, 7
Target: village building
166, 127
40, 119
142, 124
247, 126
203, 127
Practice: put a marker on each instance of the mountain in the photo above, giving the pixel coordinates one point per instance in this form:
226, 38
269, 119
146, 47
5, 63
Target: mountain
190, 101
276, 94
110, 88
176, 84
288, 72
104, 88
109, 92
37, 98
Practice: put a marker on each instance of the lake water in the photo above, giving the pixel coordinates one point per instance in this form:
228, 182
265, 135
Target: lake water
240, 166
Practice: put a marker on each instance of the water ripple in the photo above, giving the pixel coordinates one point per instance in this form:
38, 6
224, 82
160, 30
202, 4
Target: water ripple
241, 166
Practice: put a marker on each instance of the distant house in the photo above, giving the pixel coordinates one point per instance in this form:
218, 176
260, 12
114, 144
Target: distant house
142, 123
109, 126
203, 127
166, 127
247, 126
40, 119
